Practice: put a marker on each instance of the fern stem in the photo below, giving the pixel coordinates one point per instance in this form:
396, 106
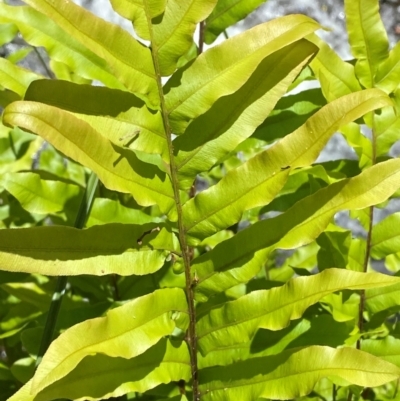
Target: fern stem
191, 337
61, 285
369, 241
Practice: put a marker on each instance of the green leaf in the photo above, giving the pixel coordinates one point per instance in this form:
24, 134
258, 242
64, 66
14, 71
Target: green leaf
257, 182
111, 248
356, 255
117, 115
240, 258
7, 33
387, 349
386, 237
300, 183
19, 55
30, 293
237, 321
233, 118
290, 113
140, 13
106, 211
129, 60
98, 377
313, 330
360, 143
388, 74
387, 125
225, 14
38, 30
171, 33
336, 76
223, 69
5, 373
8, 277
367, 37
7, 97
293, 374
40, 196
118, 168
378, 299
23, 369
125, 332
334, 249
15, 78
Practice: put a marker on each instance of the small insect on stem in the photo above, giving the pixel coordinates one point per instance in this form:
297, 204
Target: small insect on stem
285, 168
130, 136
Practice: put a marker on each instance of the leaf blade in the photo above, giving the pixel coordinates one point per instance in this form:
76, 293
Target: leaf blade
300, 371
100, 377
111, 248
227, 13
210, 137
367, 37
119, 169
238, 259
38, 30
136, 73
237, 321
115, 114
248, 185
223, 69
112, 335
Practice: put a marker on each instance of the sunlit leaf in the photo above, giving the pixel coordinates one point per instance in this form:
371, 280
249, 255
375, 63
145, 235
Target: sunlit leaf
257, 182
7, 33
163, 363
315, 330
117, 115
237, 321
233, 118
125, 332
112, 248
223, 69
38, 30
106, 211
238, 259
387, 125
118, 168
15, 78
367, 37
388, 73
298, 370
172, 32
386, 237
378, 300
227, 13
336, 76
129, 61
40, 196
387, 349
